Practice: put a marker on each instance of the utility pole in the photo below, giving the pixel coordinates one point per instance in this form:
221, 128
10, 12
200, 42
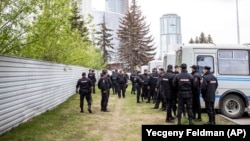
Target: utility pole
238, 27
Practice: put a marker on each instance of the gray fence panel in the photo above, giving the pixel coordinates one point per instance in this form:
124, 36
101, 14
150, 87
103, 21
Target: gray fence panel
29, 88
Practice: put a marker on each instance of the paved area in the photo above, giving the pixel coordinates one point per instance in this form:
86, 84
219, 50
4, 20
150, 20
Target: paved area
245, 120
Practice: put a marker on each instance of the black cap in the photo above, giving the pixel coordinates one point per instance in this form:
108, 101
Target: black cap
207, 67
138, 72
183, 66
170, 67
176, 66
161, 69
195, 67
145, 70
83, 74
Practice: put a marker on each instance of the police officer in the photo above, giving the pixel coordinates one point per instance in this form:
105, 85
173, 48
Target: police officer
114, 81
184, 83
146, 86
154, 78
138, 85
168, 91
85, 85
103, 85
131, 78
159, 91
121, 84
208, 88
109, 81
91, 76
176, 71
196, 92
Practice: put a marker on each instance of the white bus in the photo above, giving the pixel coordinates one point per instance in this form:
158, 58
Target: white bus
155, 64
169, 59
231, 65
143, 68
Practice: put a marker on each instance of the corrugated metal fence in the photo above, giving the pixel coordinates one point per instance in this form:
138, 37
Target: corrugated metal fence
29, 88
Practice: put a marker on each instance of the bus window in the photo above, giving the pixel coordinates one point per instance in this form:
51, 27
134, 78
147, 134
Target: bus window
234, 62
205, 60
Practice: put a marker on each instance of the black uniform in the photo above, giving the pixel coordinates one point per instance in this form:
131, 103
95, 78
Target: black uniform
104, 85
196, 95
175, 97
85, 85
110, 83
121, 85
114, 82
132, 77
184, 83
153, 82
91, 76
159, 94
168, 92
146, 86
138, 86
208, 88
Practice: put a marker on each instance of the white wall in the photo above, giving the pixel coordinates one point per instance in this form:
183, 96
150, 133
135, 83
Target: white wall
29, 88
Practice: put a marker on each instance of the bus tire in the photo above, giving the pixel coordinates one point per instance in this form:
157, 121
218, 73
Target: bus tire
232, 106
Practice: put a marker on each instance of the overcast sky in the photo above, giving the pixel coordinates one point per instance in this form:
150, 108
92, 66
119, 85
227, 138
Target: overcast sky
214, 17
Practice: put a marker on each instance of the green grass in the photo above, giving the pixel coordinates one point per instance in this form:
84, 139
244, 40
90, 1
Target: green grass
66, 123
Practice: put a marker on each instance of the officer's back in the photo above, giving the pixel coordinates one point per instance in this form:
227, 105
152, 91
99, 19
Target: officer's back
84, 83
184, 83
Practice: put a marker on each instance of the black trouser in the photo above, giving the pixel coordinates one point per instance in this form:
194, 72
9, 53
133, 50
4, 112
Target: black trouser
121, 90
114, 86
158, 99
210, 108
145, 91
138, 93
196, 104
104, 100
94, 88
170, 103
174, 104
182, 103
151, 93
88, 99
133, 88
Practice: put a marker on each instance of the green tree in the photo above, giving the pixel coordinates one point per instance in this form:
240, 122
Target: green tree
196, 40
104, 38
202, 39
191, 41
136, 45
209, 39
16, 17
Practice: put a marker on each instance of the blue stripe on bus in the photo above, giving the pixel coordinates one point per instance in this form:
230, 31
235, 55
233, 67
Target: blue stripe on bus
232, 79
218, 96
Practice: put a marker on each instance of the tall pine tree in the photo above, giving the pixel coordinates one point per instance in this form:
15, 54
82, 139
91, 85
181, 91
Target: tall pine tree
104, 40
136, 46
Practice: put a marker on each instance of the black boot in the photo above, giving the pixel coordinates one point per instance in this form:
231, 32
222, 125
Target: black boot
213, 120
81, 110
190, 121
199, 117
179, 121
89, 109
210, 121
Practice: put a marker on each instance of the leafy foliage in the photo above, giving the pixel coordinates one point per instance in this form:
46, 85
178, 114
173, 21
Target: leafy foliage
50, 30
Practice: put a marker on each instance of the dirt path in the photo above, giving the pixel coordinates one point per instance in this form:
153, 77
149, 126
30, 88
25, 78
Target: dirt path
114, 123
